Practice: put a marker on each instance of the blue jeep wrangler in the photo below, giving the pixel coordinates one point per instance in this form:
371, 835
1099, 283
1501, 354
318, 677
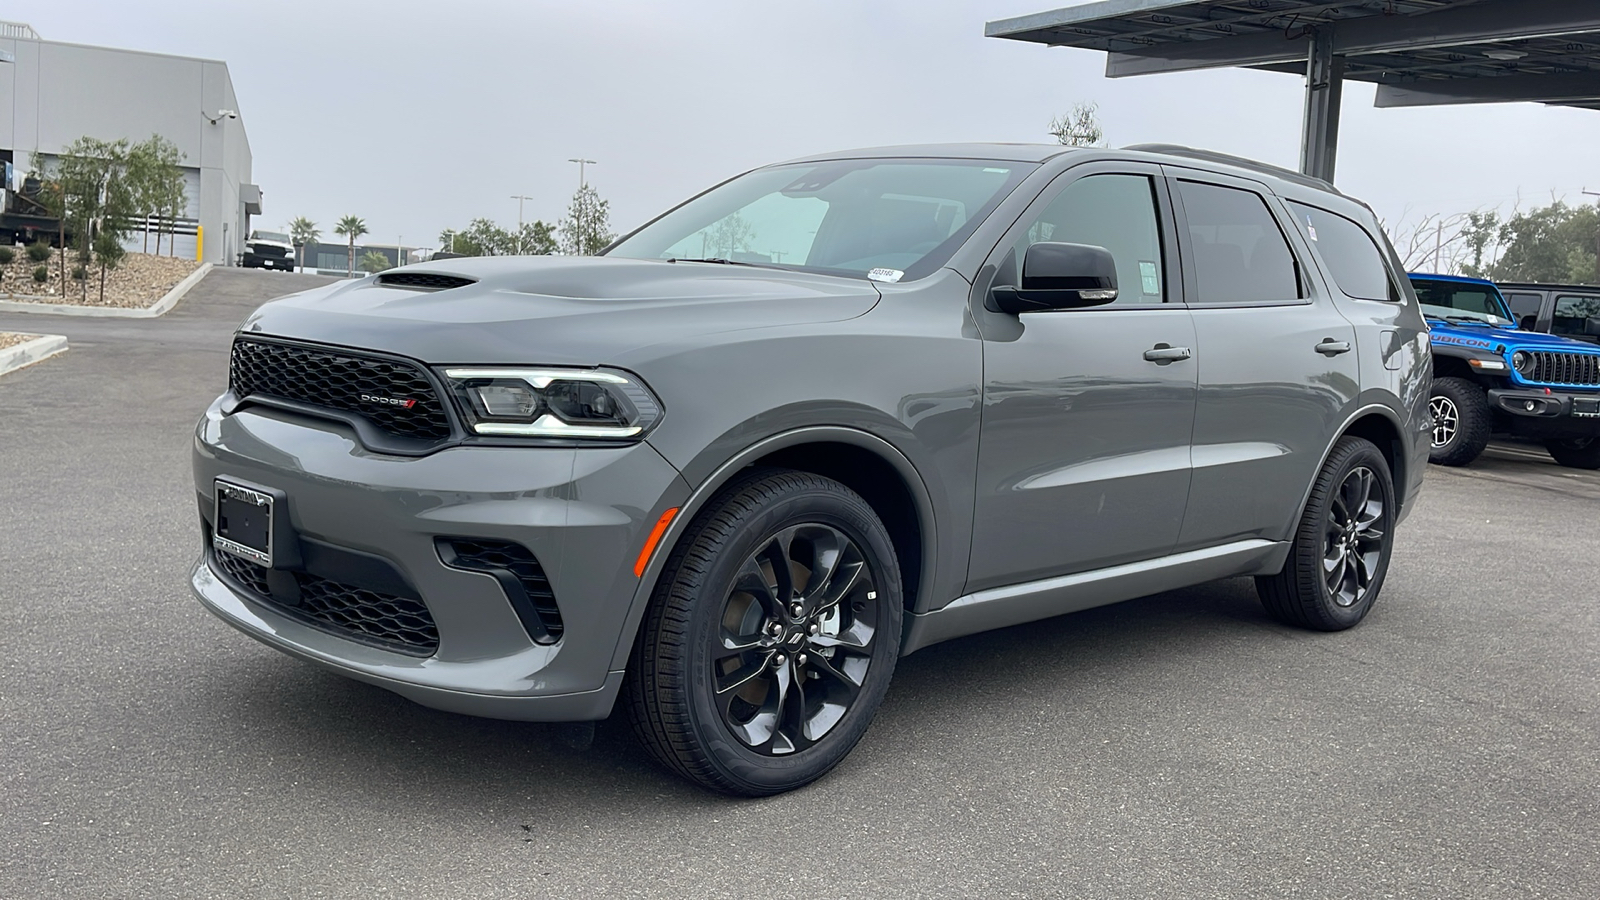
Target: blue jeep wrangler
1491, 377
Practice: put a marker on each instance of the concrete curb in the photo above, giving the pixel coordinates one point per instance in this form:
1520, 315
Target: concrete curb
27, 353
160, 307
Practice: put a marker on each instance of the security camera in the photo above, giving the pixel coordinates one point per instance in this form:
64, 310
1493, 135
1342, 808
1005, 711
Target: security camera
232, 114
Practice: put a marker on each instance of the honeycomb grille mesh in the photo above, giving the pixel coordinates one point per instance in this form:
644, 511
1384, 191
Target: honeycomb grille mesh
486, 555
400, 400
394, 623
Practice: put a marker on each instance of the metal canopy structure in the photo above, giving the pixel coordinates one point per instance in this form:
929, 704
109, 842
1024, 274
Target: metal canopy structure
1418, 52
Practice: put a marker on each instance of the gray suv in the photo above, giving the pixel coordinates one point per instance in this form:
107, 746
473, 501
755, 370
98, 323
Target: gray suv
820, 416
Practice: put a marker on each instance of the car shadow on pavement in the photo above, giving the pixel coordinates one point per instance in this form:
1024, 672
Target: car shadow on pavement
358, 744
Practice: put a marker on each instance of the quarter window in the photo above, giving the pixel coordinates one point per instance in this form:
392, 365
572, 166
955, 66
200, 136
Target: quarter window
1117, 212
1240, 254
1352, 258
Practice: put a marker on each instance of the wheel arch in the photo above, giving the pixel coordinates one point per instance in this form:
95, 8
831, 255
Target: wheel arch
864, 462
1379, 424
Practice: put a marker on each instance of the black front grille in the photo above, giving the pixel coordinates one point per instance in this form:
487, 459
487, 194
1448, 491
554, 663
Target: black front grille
398, 624
520, 576
1564, 368
394, 396
423, 281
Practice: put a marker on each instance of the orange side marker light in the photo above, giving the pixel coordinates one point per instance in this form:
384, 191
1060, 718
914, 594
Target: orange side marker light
652, 540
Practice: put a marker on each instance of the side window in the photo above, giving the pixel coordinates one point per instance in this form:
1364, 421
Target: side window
1525, 308
1573, 316
1353, 259
1117, 212
1240, 254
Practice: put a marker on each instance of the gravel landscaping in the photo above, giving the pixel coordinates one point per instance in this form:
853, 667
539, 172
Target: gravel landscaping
11, 339
139, 281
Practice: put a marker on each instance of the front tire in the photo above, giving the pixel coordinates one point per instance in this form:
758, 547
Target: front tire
1461, 423
1576, 453
771, 638
1341, 550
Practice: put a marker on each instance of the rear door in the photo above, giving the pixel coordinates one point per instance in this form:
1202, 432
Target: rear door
1278, 363
1083, 457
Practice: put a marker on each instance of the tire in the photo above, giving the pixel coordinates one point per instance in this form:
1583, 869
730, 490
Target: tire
1309, 592
758, 735
1576, 453
1461, 421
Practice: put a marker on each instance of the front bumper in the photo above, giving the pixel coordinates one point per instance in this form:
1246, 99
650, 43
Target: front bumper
584, 513
1537, 412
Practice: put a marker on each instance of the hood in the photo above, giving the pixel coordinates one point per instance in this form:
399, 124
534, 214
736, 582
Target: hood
557, 310
1491, 338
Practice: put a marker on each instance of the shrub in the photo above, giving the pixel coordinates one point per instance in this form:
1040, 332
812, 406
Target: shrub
7, 255
79, 273
41, 274
39, 251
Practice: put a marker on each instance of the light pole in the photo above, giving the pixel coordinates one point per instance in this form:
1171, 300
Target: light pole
519, 198
581, 164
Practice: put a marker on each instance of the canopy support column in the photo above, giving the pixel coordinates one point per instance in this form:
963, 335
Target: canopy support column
1319, 137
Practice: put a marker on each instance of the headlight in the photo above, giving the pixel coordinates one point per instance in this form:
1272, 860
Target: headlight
553, 403
1522, 362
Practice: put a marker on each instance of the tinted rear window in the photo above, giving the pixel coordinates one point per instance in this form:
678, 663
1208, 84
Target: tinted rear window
1240, 255
1352, 257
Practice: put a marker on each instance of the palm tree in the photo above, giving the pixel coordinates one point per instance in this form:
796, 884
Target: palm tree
351, 227
303, 231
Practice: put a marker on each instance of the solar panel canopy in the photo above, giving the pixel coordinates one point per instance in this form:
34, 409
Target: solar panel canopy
1419, 52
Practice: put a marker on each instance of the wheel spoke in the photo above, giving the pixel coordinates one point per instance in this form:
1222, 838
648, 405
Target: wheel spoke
783, 681
755, 581
741, 676
857, 637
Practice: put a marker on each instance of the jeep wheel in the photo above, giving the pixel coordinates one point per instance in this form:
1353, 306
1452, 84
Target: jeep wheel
1460, 421
771, 637
1341, 549
1576, 453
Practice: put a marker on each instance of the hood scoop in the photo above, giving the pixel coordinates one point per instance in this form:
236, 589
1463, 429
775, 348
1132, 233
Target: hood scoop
424, 281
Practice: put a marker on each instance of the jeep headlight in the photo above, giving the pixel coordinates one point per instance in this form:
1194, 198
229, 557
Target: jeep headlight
1522, 361
589, 404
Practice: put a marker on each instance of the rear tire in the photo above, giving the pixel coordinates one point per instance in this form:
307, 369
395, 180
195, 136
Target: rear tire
1341, 550
1576, 453
1461, 421
771, 638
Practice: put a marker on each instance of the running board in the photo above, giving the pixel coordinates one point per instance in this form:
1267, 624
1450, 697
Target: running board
1014, 604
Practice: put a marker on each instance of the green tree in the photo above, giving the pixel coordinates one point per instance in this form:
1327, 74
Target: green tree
98, 193
482, 237
154, 174
108, 251
1078, 128
303, 231
351, 227
587, 228
1555, 243
372, 262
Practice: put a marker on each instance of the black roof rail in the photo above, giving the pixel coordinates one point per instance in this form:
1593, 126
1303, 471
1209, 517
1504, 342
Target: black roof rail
1551, 286
1239, 162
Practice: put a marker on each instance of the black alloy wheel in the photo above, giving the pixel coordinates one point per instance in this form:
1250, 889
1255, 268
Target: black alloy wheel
1341, 549
1461, 421
771, 637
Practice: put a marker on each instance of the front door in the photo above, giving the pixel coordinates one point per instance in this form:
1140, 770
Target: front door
1083, 459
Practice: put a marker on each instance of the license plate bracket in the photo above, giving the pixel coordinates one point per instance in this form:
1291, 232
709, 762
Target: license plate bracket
244, 522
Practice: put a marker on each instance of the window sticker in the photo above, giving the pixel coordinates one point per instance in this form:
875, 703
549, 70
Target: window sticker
1310, 228
1151, 277
889, 275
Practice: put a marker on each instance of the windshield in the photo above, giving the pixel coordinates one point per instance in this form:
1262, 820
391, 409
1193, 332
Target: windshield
270, 236
1457, 302
884, 219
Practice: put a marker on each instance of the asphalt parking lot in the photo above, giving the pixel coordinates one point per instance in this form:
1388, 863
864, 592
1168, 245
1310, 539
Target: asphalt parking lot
1181, 745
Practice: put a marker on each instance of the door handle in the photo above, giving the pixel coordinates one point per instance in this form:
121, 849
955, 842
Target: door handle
1161, 354
1331, 348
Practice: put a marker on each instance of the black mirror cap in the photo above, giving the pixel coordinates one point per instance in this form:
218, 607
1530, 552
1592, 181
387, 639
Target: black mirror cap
1591, 326
1061, 276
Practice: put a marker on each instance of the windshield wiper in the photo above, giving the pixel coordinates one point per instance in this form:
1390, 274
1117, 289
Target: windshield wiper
714, 259
1473, 320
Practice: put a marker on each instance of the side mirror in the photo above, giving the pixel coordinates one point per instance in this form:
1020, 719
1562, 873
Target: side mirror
1591, 326
1061, 276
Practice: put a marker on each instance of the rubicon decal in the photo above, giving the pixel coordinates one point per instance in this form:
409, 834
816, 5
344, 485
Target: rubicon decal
405, 403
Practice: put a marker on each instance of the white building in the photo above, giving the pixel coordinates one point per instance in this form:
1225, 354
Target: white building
54, 93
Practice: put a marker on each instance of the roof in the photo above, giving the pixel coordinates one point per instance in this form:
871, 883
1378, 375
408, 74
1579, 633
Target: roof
1420, 52
1544, 286
998, 151
1463, 279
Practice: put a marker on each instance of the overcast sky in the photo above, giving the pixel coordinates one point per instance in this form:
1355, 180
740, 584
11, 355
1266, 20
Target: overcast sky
419, 116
